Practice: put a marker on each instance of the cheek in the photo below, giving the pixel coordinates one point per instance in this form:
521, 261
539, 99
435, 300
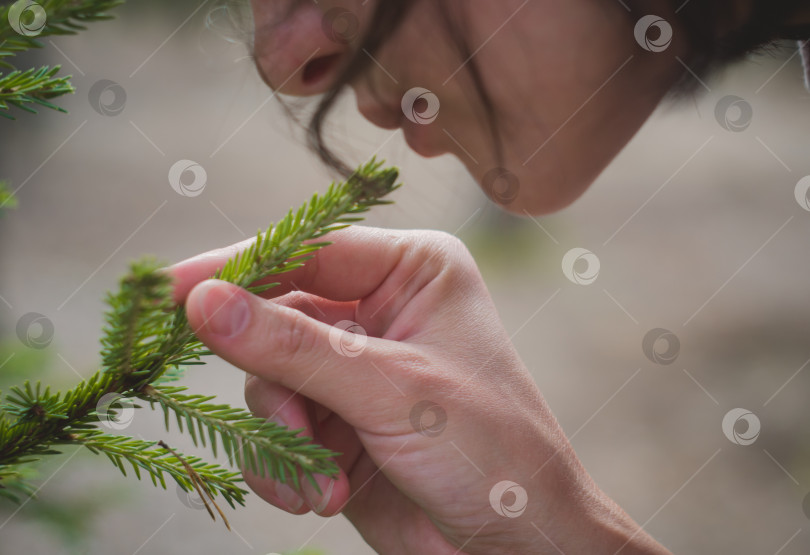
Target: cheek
570, 88
419, 53
555, 149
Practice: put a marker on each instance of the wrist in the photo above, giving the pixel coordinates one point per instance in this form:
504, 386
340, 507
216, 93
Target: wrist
608, 529
543, 501
591, 522
566, 512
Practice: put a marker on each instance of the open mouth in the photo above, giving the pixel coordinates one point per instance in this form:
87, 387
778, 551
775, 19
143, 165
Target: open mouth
320, 67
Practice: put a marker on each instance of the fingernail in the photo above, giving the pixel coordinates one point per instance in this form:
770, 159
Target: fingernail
225, 309
289, 497
318, 501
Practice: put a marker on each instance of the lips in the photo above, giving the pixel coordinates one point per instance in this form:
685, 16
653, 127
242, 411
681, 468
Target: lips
319, 68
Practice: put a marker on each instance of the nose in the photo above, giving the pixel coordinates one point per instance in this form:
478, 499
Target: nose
303, 52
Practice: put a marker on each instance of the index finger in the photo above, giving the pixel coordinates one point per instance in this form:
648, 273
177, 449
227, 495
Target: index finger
353, 267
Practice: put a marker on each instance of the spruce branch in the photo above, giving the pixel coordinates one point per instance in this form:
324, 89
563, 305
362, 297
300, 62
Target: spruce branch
267, 449
22, 23
157, 461
147, 343
34, 86
15, 482
199, 486
46, 18
281, 248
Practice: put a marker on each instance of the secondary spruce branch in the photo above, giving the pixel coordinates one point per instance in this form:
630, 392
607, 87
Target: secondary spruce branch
146, 345
22, 26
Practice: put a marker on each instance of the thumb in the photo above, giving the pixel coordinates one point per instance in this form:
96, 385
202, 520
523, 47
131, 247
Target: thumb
283, 345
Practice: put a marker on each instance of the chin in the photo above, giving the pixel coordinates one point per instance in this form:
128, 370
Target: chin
528, 192
532, 206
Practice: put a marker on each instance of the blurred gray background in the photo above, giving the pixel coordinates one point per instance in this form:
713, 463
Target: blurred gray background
696, 227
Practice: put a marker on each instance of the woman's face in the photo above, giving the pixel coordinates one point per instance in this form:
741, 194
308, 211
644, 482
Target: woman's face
568, 81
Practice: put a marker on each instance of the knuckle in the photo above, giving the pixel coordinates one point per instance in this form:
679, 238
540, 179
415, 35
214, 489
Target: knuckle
297, 300
421, 374
437, 247
449, 249
441, 241
292, 336
453, 265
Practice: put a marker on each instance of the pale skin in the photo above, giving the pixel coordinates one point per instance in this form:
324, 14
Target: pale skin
434, 333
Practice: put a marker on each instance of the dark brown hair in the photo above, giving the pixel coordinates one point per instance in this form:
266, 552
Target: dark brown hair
722, 31
386, 19
713, 32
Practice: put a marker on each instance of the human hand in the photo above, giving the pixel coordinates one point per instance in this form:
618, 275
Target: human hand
432, 414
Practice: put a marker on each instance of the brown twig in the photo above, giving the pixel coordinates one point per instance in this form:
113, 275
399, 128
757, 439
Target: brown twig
198, 485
